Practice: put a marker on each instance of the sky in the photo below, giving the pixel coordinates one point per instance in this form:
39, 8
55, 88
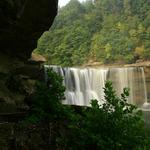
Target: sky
64, 2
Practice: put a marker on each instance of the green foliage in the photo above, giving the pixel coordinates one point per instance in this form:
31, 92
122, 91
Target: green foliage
114, 125
46, 105
82, 31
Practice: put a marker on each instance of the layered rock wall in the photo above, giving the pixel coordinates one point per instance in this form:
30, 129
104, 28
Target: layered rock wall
21, 24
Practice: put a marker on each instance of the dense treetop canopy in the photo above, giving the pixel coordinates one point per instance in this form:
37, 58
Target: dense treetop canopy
101, 30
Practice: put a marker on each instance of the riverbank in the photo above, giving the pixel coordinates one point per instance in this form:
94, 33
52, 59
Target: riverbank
99, 64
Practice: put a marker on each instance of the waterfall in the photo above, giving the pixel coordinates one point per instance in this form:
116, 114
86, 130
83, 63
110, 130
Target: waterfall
84, 84
132, 78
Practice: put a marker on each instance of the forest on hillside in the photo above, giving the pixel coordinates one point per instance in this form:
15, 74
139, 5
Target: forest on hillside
105, 31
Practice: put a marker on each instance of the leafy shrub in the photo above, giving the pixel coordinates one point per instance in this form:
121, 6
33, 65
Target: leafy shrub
47, 99
114, 125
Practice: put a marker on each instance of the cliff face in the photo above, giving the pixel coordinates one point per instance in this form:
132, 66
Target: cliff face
21, 24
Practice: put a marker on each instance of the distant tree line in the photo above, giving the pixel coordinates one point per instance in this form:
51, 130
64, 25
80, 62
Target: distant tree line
105, 31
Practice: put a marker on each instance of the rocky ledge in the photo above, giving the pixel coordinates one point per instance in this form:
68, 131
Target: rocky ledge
139, 64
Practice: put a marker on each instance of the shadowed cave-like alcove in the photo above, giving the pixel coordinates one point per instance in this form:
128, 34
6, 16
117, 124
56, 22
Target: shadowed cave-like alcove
22, 23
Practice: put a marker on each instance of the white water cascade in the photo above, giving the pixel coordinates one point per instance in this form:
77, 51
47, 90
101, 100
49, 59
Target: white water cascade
82, 85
